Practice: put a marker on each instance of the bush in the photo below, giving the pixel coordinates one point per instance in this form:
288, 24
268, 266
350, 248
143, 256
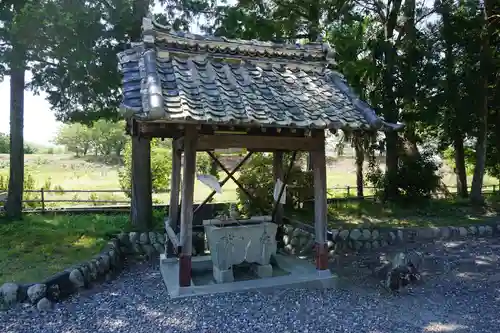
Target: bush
417, 177
257, 178
161, 166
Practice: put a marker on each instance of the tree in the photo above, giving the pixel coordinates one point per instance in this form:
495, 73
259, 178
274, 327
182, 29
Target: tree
14, 27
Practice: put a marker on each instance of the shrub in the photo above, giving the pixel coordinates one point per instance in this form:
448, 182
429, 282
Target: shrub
417, 178
257, 178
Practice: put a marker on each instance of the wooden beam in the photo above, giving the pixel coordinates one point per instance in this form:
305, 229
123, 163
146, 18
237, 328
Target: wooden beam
320, 206
141, 205
236, 168
278, 174
175, 182
257, 142
230, 175
172, 236
186, 234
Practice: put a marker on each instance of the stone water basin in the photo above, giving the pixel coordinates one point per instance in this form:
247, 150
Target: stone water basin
232, 242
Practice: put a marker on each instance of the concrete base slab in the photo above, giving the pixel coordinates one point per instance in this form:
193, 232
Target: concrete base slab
296, 273
263, 271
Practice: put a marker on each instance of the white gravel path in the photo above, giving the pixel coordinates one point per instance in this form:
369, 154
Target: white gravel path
461, 293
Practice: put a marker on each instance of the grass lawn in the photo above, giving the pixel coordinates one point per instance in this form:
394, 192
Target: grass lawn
39, 246
437, 212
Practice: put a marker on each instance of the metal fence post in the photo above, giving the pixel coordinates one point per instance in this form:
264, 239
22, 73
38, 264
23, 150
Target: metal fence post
348, 191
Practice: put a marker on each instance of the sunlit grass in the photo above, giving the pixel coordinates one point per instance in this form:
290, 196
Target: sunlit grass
39, 246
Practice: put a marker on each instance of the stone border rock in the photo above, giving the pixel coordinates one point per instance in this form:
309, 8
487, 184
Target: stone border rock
297, 239
102, 267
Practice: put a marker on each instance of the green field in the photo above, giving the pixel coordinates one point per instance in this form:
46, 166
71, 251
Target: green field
66, 173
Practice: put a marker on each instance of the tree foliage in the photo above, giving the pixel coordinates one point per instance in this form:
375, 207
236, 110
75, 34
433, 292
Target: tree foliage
104, 138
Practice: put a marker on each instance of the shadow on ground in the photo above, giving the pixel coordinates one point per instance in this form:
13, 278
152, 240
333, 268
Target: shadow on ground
460, 294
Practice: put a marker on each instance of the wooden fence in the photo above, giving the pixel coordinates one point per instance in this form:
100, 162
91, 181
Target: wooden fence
47, 200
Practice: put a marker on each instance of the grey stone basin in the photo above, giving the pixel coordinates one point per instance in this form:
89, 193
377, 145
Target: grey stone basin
232, 242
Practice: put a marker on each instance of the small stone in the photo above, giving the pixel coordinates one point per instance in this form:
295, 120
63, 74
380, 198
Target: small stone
481, 229
106, 262
308, 247
375, 234
286, 239
425, 233
101, 267
462, 232
297, 232
36, 292
488, 230
384, 243
392, 237
144, 238
288, 229
133, 238
344, 234
123, 238
113, 258
400, 235
159, 248
149, 250
335, 233
355, 234
136, 248
8, 293
76, 278
44, 304
358, 245
330, 245
92, 270
288, 248
375, 245
86, 273
54, 292
160, 238
193, 252
152, 237
366, 234
368, 246
445, 232
473, 230
295, 241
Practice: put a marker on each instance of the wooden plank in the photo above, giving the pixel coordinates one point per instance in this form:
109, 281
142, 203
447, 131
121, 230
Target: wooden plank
186, 234
175, 182
172, 236
256, 142
141, 211
320, 206
278, 174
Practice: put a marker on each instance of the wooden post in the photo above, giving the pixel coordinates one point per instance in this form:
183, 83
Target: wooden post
278, 174
320, 206
141, 208
42, 192
175, 183
186, 234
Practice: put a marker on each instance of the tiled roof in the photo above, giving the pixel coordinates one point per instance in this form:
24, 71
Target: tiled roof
180, 77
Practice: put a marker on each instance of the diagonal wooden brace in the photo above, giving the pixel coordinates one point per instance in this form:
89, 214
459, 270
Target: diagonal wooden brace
229, 176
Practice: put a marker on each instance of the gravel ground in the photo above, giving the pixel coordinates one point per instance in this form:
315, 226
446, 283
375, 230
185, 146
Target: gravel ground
460, 294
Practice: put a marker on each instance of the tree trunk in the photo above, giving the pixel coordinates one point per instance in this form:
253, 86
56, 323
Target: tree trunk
389, 104
453, 100
14, 204
460, 170
141, 208
476, 195
360, 159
